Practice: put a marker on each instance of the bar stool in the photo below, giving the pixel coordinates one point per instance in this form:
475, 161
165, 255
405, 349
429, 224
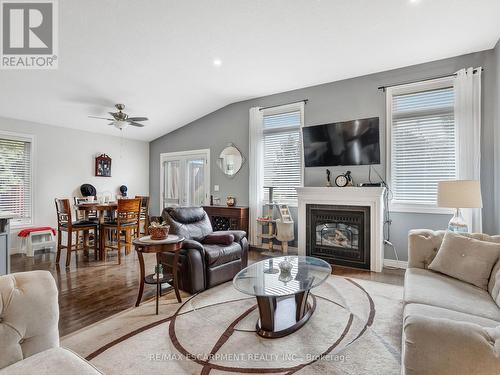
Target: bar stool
127, 221
144, 216
66, 224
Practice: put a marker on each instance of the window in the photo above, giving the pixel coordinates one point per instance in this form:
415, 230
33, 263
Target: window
282, 155
16, 177
421, 143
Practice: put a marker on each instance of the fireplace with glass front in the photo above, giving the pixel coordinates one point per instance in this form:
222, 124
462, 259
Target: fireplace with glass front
339, 234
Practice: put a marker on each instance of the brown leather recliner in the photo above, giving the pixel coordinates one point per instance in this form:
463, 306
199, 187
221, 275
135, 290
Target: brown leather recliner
207, 258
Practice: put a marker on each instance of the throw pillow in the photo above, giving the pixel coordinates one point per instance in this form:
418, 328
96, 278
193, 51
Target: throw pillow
466, 259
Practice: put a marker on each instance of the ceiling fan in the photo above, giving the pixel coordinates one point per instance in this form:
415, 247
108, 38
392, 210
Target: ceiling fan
121, 120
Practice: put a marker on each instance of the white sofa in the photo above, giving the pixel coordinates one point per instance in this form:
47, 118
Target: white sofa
449, 326
29, 333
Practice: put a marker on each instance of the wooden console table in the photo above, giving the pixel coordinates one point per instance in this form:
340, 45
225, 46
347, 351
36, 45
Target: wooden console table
228, 218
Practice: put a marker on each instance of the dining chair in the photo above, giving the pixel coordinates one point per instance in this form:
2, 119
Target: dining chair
82, 215
66, 224
144, 216
127, 221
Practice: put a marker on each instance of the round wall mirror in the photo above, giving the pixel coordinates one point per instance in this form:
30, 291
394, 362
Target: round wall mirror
230, 160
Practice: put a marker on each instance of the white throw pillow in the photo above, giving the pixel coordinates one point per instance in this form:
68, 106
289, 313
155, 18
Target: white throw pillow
466, 259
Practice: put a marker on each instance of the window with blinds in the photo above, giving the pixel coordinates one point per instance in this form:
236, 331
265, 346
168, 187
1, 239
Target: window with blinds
16, 179
282, 156
422, 143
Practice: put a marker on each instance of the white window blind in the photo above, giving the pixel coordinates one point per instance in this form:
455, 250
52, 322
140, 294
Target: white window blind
423, 144
283, 156
16, 179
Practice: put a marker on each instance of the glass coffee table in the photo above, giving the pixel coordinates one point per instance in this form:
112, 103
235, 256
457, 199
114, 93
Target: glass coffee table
281, 286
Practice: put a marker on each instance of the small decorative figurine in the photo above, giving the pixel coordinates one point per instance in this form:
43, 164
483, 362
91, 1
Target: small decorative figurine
123, 190
230, 201
328, 179
286, 271
158, 272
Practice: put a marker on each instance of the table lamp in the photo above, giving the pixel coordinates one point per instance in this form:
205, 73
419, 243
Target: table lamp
459, 194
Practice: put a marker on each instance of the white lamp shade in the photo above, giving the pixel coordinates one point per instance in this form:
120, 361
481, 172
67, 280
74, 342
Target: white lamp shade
459, 194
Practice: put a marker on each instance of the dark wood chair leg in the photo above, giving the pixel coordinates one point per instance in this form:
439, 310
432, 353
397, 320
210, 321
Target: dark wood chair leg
95, 244
119, 244
59, 244
128, 241
68, 249
102, 246
86, 242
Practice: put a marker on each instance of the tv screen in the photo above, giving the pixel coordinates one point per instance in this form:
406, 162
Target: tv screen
342, 143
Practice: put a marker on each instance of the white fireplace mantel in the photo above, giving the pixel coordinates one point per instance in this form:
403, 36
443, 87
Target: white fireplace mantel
372, 197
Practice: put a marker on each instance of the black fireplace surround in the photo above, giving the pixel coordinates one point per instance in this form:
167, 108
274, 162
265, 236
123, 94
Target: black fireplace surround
339, 235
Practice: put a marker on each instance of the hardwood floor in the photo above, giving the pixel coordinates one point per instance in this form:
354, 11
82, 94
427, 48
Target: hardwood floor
90, 290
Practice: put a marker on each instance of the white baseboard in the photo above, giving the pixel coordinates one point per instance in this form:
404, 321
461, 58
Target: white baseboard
395, 263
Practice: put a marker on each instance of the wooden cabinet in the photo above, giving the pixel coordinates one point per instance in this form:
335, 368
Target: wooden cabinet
226, 218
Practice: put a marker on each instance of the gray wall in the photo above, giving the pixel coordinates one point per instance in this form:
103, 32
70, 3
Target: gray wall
337, 101
496, 106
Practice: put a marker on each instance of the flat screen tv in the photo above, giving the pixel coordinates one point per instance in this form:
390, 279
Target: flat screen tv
342, 143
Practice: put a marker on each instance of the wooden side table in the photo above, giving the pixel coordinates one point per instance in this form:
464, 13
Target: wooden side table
143, 245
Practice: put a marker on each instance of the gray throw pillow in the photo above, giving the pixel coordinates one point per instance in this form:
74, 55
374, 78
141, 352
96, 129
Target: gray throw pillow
466, 259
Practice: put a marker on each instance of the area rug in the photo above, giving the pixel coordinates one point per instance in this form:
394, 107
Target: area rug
355, 329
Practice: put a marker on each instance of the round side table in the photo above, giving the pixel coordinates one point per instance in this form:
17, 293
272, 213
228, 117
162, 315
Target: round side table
173, 244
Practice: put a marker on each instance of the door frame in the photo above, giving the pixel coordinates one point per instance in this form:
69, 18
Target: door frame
169, 155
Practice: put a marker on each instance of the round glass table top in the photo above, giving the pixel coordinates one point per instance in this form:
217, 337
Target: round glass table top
282, 276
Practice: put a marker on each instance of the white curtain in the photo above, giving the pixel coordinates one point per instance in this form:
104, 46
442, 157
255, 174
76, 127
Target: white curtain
468, 124
256, 163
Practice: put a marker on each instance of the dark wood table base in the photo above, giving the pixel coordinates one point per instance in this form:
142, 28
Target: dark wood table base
281, 316
171, 278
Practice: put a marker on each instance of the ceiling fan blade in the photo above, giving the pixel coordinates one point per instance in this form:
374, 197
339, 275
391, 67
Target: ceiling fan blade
102, 118
136, 124
137, 119
111, 123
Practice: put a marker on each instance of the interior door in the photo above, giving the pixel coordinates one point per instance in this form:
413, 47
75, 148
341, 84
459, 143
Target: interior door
186, 179
195, 181
171, 183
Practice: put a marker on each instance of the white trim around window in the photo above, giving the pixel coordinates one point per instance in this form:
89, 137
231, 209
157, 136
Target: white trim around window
16, 136
391, 92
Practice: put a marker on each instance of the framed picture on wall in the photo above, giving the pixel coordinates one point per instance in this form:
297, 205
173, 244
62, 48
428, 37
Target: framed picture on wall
103, 166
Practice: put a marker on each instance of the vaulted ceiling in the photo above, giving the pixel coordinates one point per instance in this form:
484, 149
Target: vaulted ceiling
159, 57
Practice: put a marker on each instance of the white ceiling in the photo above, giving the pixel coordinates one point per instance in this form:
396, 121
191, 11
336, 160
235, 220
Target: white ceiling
157, 56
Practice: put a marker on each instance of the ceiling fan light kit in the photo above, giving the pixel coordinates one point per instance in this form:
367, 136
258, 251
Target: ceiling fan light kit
121, 120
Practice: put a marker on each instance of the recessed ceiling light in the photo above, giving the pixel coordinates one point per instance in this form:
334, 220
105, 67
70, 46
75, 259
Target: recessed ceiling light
414, 1
217, 62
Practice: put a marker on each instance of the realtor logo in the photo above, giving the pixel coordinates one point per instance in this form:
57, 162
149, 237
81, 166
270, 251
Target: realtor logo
29, 34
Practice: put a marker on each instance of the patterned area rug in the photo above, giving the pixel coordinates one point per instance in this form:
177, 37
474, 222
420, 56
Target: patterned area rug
355, 329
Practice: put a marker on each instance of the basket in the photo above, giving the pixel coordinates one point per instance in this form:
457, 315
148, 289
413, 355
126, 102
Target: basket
159, 233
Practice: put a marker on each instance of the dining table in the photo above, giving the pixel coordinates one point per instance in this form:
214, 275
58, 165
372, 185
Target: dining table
101, 209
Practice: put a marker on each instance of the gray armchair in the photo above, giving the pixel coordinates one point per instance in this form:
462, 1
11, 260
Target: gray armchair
207, 258
29, 333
